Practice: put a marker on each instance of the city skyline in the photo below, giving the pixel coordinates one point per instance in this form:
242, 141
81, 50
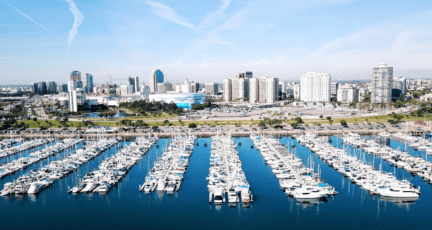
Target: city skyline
278, 39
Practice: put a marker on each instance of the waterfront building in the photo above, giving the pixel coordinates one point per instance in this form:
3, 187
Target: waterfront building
156, 76
76, 97
347, 94
381, 90
164, 87
182, 100
315, 87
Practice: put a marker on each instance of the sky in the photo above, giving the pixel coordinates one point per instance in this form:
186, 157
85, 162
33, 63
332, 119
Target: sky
208, 41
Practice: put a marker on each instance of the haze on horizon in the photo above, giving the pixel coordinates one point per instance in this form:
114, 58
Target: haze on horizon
207, 41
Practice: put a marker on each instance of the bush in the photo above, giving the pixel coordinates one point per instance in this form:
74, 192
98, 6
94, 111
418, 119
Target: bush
192, 125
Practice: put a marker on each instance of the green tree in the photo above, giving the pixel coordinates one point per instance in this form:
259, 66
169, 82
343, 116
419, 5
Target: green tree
328, 118
321, 116
343, 123
192, 125
155, 127
261, 124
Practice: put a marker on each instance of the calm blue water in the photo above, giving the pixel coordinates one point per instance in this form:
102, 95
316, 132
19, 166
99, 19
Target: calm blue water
124, 207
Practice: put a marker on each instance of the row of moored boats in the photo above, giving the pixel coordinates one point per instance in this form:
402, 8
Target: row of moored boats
114, 168
36, 180
168, 172
295, 178
364, 174
226, 176
27, 160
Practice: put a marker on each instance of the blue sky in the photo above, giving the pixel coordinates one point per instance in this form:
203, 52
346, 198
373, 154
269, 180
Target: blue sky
207, 41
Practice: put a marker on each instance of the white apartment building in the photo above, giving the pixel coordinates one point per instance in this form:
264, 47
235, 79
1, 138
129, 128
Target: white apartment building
296, 91
264, 90
315, 87
381, 90
347, 94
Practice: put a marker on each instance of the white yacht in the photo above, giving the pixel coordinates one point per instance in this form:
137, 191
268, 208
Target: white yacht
35, 187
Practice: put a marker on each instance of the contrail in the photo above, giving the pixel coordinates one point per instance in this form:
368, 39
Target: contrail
78, 19
30, 18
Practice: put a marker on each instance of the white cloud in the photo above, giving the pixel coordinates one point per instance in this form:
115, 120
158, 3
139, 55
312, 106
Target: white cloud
169, 14
216, 16
78, 19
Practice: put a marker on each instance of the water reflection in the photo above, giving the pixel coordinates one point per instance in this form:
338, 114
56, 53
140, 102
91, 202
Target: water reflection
306, 203
401, 202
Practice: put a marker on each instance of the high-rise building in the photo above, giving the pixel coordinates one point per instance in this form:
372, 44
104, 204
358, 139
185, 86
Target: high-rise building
62, 88
315, 87
347, 94
75, 76
211, 89
264, 89
88, 83
227, 90
296, 91
400, 83
243, 86
194, 87
131, 85
164, 87
156, 76
76, 97
34, 87
52, 88
334, 88
282, 87
136, 81
41, 88
382, 77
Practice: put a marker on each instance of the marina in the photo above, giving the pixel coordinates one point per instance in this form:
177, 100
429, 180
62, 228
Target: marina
269, 202
27, 160
295, 178
113, 169
226, 176
168, 172
8, 149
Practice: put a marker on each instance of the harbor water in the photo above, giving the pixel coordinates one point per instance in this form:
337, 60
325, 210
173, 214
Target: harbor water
124, 207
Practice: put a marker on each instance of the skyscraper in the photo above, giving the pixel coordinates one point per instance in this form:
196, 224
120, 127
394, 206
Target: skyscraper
42, 88
52, 88
88, 83
382, 77
34, 87
227, 90
315, 87
137, 87
156, 76
75, 76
